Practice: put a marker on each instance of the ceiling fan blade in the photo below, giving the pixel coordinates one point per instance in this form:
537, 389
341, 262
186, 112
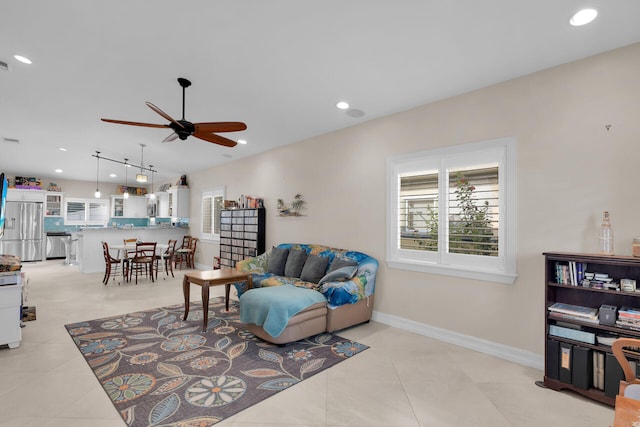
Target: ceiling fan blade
215, 127
171, 137
123, 122
216, 139
163, 114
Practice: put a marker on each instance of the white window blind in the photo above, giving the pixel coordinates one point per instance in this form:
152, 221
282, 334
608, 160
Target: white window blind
86, 211
211, 205
452, 211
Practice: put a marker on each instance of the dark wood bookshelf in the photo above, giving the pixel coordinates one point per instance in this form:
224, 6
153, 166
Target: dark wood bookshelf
617, 267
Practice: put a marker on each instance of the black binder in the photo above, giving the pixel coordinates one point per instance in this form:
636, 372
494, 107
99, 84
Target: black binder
582, 367
612, 375
564, 368
553, 355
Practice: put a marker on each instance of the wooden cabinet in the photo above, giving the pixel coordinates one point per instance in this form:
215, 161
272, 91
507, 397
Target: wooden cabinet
53, 204
242, 234
582, 340
178, 202
132, 207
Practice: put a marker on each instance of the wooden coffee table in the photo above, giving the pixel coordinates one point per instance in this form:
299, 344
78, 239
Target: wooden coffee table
224, 276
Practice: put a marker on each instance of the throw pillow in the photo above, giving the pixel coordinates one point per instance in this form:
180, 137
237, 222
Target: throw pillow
295, 262
339, 275
277, 261
314, 268
340, 262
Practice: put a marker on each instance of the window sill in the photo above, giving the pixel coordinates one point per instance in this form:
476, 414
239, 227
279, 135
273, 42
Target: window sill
456, 271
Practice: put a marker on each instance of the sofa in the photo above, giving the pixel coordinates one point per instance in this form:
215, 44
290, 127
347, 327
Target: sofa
300, 290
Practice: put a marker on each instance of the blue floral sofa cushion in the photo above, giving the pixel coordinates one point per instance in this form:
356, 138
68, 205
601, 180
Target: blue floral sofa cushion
338, 287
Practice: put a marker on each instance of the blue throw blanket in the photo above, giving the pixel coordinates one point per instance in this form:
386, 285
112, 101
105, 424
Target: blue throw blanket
272, 307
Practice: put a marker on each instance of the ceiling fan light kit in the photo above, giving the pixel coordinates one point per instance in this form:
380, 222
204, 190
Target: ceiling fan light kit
183, 128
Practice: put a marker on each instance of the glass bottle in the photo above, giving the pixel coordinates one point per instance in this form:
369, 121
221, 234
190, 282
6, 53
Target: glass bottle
606, 235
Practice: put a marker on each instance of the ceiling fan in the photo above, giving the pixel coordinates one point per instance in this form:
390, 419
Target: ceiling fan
183, 128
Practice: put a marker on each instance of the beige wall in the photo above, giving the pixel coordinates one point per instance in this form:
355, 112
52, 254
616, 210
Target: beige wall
570, 169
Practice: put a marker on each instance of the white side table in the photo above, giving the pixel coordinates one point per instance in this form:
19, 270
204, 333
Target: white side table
10, 315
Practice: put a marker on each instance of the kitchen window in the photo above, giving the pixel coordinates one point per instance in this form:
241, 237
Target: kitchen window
86, 211
452, 211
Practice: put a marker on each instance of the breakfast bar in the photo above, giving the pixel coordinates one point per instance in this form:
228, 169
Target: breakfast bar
90, 258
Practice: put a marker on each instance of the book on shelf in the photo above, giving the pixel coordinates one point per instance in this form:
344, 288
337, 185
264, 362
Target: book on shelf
572, 334
572, 273
633, 326
598, 370
629, 311
564, 316
575, 310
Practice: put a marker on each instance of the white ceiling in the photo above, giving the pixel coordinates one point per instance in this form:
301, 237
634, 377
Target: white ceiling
280, 66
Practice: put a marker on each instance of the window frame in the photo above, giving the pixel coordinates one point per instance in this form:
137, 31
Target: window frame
212, 195
502, 269
87, 211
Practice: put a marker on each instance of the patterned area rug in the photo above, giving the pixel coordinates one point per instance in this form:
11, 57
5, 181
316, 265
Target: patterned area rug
159, 370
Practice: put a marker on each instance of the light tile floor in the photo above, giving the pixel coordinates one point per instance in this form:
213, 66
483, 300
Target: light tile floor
403, 380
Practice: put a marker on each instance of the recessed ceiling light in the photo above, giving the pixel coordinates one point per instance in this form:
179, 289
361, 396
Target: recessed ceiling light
58, 170
113, 175
583, 17
242, 141
342, 105
62, 149
22, 59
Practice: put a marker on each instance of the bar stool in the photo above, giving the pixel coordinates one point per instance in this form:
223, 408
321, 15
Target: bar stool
71, 250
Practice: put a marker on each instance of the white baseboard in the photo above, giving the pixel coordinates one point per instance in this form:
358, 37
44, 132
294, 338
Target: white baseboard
502, 351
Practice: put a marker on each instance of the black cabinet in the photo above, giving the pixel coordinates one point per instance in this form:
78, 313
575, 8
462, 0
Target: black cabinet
242, 234
579, 359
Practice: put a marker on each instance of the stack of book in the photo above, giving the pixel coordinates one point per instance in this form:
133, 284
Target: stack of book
574, 312
599, 281
629, 318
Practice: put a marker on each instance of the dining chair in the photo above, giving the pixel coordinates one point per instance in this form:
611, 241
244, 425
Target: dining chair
129, 247
143, 260
166, 257
630, 385
113, 266
186, 256
182, 253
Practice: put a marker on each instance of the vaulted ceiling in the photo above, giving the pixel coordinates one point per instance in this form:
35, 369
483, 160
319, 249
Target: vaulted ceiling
280, 66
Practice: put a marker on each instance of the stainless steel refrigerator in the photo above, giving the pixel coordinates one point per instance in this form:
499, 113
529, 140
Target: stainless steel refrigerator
24, 231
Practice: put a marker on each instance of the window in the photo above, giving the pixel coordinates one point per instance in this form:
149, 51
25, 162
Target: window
86, 212
452, 211
211, 203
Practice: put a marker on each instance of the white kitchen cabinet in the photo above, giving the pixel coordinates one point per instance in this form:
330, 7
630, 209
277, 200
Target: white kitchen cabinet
132, 207
14, 195
178, 202
53, 204
163, 204
10, 314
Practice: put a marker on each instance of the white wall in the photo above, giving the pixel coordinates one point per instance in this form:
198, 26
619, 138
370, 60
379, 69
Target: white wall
570, 169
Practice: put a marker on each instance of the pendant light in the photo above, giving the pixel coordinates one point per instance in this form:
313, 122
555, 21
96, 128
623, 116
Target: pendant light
97, 193
141, 177
126, 180
152, 195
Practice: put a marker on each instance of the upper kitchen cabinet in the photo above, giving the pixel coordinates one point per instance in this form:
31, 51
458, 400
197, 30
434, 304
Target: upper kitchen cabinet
178, 202
53, 205
132, 207
163, 204
14, 195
